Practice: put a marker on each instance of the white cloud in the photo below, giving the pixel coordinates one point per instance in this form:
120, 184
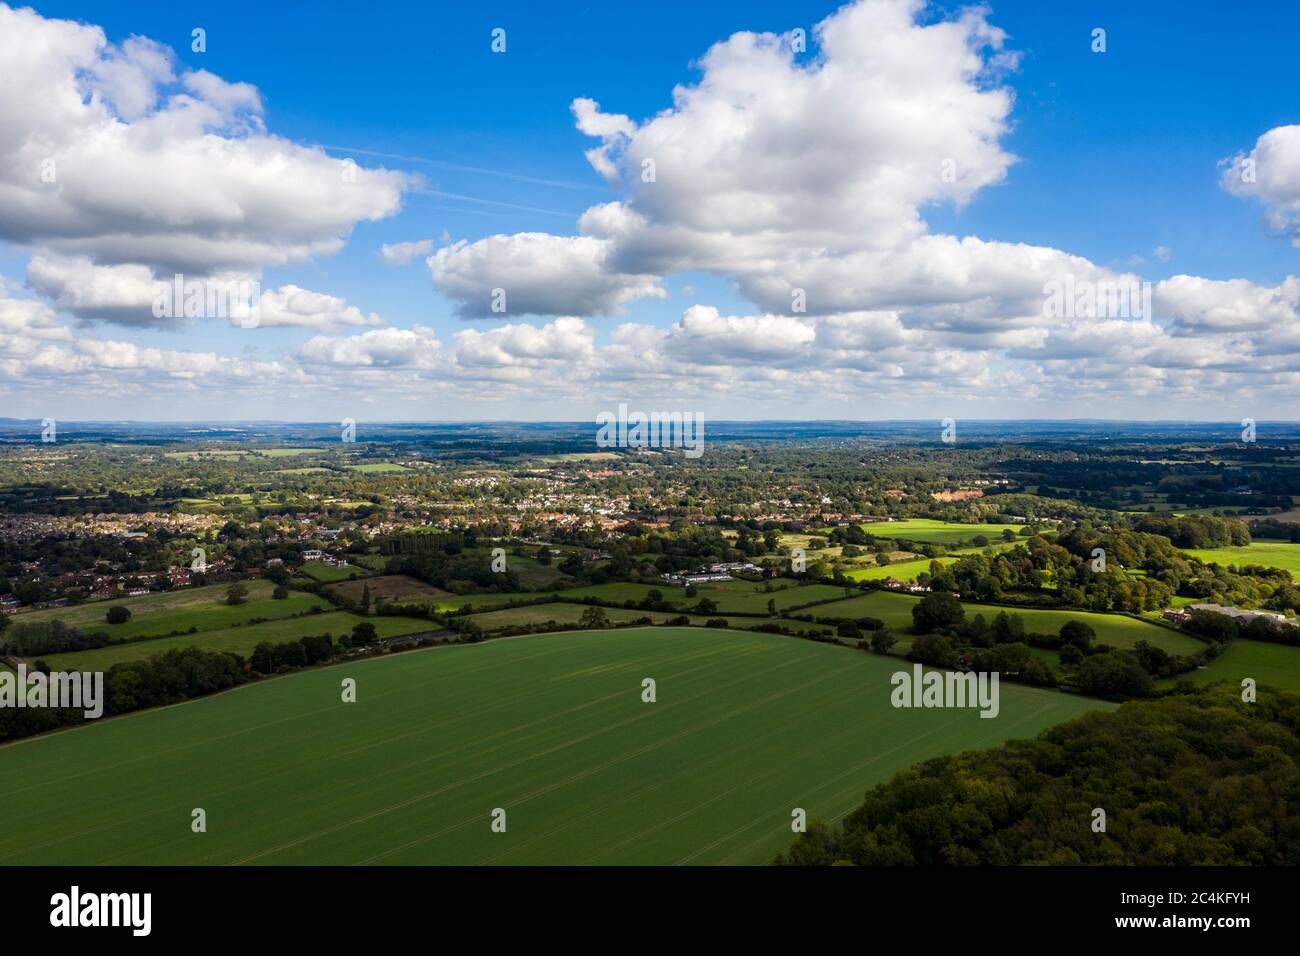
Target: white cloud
291, 305
400, 253
540, 274
127, 295
1270, 172
1228, 305
178, 177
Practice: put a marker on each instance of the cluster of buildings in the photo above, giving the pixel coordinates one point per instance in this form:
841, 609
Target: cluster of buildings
323, 557
1183, 614
714, 572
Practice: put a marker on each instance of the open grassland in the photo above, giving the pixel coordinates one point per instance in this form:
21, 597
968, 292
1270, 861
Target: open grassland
1270, 554
482, 601
318, 571
238, 640
287, 452
731, 597
378, 468
552, 729
204, 608
394, 588
562, 612
1271, 665
929, 531
1116, 630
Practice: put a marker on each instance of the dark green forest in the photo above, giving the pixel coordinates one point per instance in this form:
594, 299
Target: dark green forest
1185, 780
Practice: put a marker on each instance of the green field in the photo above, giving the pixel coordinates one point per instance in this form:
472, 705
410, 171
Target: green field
394, 588
731, 597
287, 452
169, 611
378, 468
1116, 630
1271, 554
327, 573
928, 531
237, 640
562, 612
552, 729
1272, 665
908, 570
488, 599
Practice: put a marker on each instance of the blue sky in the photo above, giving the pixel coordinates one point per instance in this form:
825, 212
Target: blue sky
1116, 155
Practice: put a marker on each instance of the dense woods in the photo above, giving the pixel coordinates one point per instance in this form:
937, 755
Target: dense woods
1186, 780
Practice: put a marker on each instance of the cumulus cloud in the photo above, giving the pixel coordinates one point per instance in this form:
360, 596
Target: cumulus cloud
1238, 305
400, 253
105, 155
291, 305
537, 274
1270, 173
132, 295
804, 181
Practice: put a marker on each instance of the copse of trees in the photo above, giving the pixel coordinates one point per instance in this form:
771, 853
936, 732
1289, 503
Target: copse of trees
1184, 780
37, 638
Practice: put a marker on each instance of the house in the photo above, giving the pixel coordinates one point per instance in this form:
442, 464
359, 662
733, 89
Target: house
313, 555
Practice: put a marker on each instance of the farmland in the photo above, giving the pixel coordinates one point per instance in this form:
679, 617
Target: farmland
327, 573
396, 588
927, 531
1271, 665
552, 729
1269, 554
203, 608
1116, 630
237, 640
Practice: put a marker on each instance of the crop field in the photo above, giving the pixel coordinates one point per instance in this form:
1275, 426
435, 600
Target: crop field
551, 729
1116, 630
1271, 554
1271, 665
171, 611
238, 640
928, 531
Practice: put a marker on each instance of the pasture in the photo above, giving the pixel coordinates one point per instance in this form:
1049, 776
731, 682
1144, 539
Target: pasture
1117, 630
551, 729
326, 573
1270, 554
1271, 665
929, 531
237, 640
394, 588
155, 615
